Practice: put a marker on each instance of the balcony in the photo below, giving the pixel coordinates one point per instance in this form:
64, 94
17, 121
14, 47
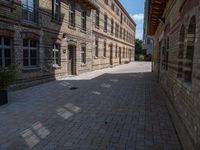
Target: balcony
89, 4
29, 14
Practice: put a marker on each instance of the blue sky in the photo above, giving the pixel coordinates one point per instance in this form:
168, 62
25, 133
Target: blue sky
136, 10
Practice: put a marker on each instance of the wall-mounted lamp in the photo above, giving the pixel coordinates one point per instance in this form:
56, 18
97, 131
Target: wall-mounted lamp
64, 51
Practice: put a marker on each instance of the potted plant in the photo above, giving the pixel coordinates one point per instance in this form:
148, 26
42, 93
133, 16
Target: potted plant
7, 77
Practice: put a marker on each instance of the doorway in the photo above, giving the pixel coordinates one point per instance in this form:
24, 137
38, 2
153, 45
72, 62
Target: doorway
120, 59
111, 54
72, 60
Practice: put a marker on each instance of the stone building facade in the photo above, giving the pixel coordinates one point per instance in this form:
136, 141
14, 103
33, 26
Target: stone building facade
50, 39
176, 27
113, 34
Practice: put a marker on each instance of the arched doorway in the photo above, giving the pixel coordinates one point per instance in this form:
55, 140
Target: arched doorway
72, 60
181, 52
189, 54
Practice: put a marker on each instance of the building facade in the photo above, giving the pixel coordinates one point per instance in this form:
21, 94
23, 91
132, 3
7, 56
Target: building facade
148, 40
113, 34
50, 39
175, 26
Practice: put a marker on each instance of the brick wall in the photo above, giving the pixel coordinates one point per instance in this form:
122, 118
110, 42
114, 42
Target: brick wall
183, 96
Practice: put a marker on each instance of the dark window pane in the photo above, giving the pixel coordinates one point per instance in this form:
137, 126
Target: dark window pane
7, 53
57, 54
0, 62
25, 62
0, 52
33, 53
7, 62
25, 43
33, 62
33, 43
25, 53
7, 41
57, 61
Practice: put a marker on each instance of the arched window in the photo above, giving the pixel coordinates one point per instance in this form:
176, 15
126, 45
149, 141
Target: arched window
190, 50
181, 52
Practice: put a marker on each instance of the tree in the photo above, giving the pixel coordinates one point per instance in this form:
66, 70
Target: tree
139, 52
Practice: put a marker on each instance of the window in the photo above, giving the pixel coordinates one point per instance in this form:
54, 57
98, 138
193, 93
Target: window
112, 26
106, 2
105, 23
96, 53
127, 36
117, 11
71, 15
116, 30
5, 51
83, 55
97, 18
83, 21
113, 7
181, 52
29, 11
104, 49
56, 10
121, 20
121, 32
56, 54
30, 52
191, 36
124, 38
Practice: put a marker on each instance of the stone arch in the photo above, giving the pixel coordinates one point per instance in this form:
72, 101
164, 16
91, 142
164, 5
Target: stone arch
189, 53
181, 51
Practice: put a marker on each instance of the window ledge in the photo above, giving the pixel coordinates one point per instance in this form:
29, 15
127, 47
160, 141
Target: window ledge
30, 24
72, 27
104, 57
56, 21
55, 66
83, 31
83, 65
96, 26
31, 69
95, 57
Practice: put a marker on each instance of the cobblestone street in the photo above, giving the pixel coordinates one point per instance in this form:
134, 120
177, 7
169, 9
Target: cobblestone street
119, 108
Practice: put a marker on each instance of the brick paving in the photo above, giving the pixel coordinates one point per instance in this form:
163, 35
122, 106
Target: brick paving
118, 108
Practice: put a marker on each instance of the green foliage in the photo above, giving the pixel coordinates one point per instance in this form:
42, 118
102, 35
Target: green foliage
138, 47
141, 57
7, 76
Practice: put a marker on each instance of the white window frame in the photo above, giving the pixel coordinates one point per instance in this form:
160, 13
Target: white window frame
72, 19
83, 51
29, 53
55, 50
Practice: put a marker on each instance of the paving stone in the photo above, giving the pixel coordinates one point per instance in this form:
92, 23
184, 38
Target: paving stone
120, 108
